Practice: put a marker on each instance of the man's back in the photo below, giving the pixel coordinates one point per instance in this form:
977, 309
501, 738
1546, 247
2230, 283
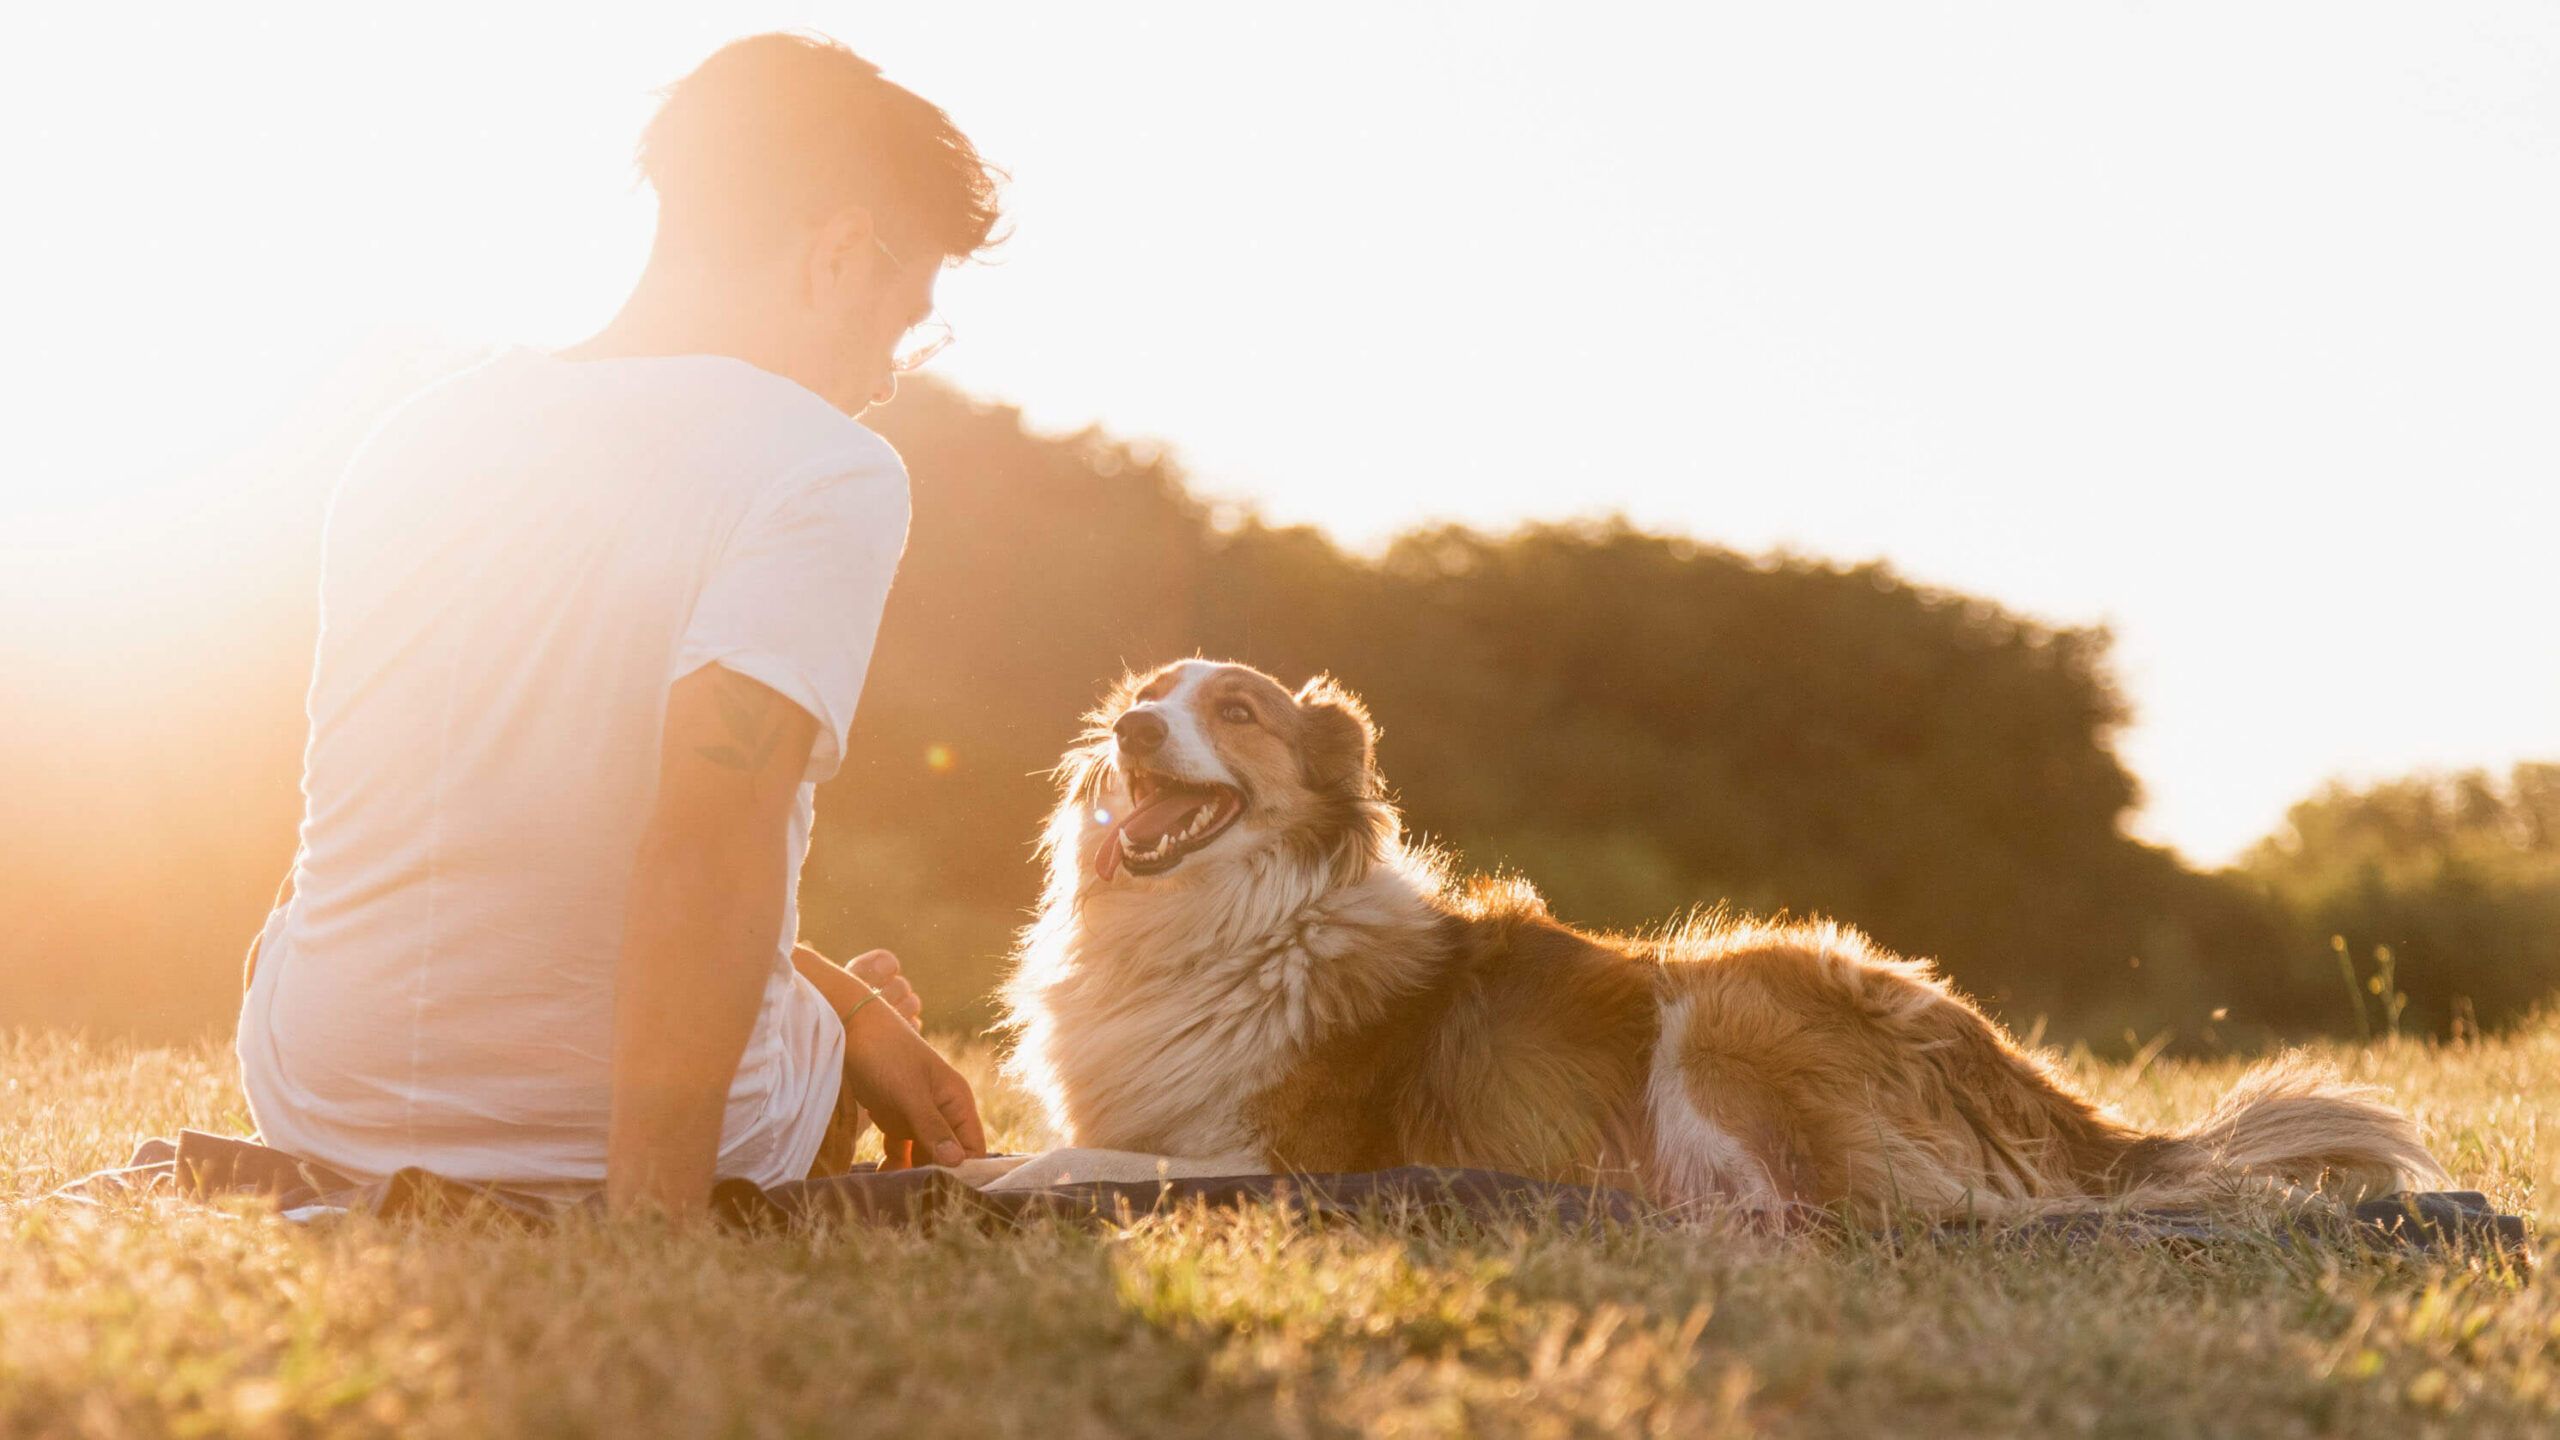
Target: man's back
516, 568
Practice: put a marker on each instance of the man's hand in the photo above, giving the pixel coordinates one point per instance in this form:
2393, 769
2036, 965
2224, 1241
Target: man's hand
879, 970
924, 1109
284, 896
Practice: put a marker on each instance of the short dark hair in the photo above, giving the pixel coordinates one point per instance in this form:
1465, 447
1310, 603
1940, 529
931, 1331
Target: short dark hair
778, 131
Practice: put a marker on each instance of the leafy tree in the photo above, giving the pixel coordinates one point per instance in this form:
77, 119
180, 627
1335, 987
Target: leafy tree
1642, 724
2456, 877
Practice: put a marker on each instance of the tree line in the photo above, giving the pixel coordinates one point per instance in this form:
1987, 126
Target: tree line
1641, 724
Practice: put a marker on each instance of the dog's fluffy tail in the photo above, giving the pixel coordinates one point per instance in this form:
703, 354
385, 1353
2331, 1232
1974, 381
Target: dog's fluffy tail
2291, 1122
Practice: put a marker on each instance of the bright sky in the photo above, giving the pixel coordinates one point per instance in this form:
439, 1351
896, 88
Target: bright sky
2236, 326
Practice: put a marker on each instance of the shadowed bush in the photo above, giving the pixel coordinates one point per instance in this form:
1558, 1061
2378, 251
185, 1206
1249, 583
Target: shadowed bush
2452, 881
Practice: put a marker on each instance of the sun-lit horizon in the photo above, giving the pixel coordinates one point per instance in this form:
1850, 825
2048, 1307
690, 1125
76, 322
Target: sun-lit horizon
2227, 330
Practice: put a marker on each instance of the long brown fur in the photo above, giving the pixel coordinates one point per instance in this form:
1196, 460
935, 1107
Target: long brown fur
1309, 992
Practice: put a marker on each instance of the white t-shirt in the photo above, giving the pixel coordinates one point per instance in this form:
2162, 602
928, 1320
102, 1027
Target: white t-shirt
517, 566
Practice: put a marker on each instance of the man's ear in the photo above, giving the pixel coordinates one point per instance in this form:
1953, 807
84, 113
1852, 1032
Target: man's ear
1338, 739
842, 257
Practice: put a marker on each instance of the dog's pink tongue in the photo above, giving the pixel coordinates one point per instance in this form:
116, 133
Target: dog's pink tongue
1146, 825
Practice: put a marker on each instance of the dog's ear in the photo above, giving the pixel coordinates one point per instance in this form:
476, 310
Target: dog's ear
1338, 740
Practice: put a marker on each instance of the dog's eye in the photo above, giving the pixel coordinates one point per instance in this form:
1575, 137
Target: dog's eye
1240, 714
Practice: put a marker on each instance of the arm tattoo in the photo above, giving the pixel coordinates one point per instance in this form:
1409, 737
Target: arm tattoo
746, 712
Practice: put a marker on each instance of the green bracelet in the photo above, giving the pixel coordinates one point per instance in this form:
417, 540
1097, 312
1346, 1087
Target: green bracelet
858, 1004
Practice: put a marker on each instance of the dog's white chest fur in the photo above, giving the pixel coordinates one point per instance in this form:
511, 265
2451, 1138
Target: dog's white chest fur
1151, 1021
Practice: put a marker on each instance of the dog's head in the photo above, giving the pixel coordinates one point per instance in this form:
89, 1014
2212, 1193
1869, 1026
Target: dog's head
1199, 763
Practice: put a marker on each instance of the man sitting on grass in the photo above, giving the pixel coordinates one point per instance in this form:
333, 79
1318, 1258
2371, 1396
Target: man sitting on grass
593, 628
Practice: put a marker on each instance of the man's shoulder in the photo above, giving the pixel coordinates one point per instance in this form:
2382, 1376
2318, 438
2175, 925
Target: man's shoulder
757, 425
726, 416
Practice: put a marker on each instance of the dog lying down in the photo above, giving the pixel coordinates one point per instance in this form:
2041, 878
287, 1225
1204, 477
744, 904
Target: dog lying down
1240, 960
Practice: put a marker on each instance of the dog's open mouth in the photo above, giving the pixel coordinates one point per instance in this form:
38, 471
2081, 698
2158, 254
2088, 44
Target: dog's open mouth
1167, 820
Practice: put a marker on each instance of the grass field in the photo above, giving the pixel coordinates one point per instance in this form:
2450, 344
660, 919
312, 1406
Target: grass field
163, 1319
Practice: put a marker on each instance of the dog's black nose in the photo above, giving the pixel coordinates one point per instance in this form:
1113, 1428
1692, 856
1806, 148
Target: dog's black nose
1141, 732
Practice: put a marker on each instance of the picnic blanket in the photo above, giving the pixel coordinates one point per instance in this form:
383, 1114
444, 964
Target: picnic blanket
201, 1166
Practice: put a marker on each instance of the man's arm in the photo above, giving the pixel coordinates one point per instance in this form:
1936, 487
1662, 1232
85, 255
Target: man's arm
700, 932
924, 1108
876, 972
